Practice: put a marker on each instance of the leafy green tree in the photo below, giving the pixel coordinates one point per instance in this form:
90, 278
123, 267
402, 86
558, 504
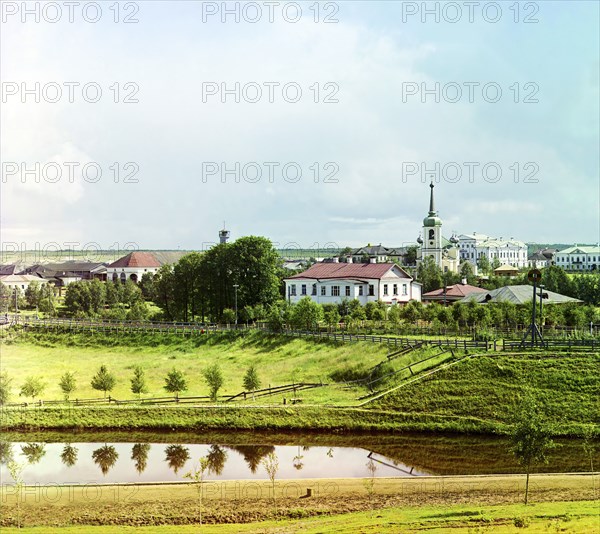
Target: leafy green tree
410, 258
34, 452
394, 315
32, 294
331, 315
138, 381
495, 263
5, 387
530, 437
306, 314
228, 316
146, 285
33, 387
103, 380
484, 264
175, 382
47, 300
251, 380
466, 271
187, 275
216, 457
271, 464
67, 384
163, 291
429, 274
214, 378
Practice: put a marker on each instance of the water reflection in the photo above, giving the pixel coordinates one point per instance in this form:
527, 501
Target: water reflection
216, 458
67, 461
176, 456
34, 452
139, 455
69, 455
105, 458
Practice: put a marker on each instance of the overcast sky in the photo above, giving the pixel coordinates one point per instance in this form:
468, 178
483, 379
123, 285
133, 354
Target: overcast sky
369, 133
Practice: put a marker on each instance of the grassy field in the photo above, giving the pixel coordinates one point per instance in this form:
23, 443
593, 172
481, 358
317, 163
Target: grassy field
398, 505
475, 395
279, 360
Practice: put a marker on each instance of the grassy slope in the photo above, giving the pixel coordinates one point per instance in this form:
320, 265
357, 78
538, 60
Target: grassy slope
477, 395
488, 385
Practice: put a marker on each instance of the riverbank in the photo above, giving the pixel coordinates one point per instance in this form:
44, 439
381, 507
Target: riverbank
438, 501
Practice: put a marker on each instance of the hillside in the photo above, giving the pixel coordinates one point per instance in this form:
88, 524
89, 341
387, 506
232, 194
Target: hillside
487, 386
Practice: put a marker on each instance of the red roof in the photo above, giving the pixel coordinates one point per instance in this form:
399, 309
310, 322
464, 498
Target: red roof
136, 259
457, 290
323, 270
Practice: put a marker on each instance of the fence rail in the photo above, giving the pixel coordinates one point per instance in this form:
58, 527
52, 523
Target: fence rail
264, 392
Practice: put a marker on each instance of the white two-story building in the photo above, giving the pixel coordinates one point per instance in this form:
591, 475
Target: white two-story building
579, 258
334, 282
506, 251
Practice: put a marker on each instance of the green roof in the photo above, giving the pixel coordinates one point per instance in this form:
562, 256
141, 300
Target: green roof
581, 250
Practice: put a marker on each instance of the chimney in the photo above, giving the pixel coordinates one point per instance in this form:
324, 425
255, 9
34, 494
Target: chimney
335, 259
373, 259
349, 258
464, 281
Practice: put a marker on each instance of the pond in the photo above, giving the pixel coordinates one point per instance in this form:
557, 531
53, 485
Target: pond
114, 458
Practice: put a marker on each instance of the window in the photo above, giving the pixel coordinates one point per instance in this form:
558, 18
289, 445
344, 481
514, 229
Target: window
347, 291
323, 291
431, 234
360, 291
404, 289
395, 289
314, 289
385, 291
371, 290
293, 290
303, 290
335, 291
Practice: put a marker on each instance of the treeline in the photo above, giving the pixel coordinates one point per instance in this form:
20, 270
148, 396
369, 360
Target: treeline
582, 286
310, 315
202, 287
108, 300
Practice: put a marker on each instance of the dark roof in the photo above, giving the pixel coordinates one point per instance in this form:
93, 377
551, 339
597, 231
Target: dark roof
371, 250
519, 294
136, 259
5, 270
455, 291
361, 271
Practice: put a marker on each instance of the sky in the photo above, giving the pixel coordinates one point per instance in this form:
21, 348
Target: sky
315, 124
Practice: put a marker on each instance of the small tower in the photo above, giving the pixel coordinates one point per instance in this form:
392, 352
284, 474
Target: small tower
432, 233
223, 235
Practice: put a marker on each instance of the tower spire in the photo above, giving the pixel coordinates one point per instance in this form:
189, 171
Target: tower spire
431, 204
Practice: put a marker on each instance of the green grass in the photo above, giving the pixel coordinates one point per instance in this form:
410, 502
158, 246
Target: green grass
567, 388
279, 360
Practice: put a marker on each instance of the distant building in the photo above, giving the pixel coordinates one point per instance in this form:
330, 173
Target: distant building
506, 270
451, 293
64, 273
520, 294
506, 251
224, 235
542, 258
443, 251
20, 281
132, 267
579, 258
380, 253
334, 282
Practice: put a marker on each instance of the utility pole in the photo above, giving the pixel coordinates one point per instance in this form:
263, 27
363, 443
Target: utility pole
235, 287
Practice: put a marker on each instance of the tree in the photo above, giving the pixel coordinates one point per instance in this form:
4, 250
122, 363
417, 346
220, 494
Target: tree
228, 316
196, 475
307, 313
271, 464
32, 387
216, 459
175, 382
103, 380
331, 315
495, 263
214, 379
138, 382
466, 271
5, 383
410, 258
47, 300
177, 456
530, 437
484, 264
67, 384
251, 380
429, 274
139, 454
32, 294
